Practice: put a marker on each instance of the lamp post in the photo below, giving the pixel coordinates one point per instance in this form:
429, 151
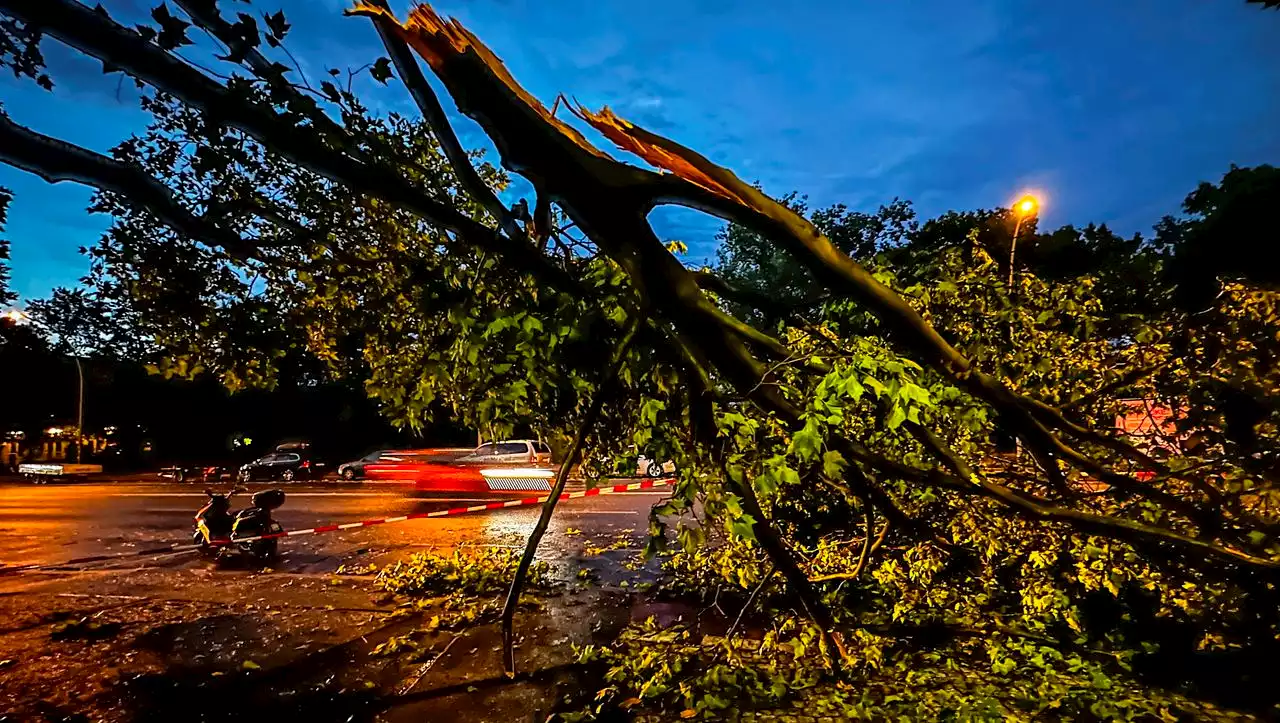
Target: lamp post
80, 413
1025, 207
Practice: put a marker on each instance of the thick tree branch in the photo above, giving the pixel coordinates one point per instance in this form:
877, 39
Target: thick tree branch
718, 285
703, 427
698, 183
1112, 527
769, 539
603, 393
1201, 514
869, 546
1131, 377
56, 161
431, 109
204, 13
98, 36
542, 223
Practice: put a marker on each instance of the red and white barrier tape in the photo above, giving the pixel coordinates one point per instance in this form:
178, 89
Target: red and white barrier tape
614, 489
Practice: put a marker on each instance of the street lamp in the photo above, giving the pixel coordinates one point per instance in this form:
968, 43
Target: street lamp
79, 412
1024, 208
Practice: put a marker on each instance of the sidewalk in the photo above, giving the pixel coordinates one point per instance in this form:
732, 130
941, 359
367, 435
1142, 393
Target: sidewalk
103, 478
150, 644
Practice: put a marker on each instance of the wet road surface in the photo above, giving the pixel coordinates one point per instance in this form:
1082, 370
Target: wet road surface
176, 634
52, 523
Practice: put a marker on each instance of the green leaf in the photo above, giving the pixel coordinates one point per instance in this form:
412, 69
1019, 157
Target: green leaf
743, 526
807, 442
833, 464
852, 388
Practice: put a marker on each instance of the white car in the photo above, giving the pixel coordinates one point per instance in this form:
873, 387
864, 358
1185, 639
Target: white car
510, 452
646, 467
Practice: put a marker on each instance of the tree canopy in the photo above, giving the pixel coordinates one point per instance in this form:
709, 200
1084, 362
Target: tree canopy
831, 397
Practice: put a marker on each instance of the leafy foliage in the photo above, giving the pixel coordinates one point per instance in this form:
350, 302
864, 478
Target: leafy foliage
79, 322
482, 572
835, 418
967, 676
1227, 232
752, 262
20, 52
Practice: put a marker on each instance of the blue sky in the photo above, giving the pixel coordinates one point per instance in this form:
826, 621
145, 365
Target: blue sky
1115, 110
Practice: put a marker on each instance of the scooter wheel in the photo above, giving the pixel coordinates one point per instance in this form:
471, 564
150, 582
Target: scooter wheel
268, 550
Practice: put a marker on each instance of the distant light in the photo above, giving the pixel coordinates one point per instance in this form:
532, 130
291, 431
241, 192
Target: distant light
17, 316
53, 431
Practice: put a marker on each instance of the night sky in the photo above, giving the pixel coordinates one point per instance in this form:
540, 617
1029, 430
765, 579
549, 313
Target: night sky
1114, 110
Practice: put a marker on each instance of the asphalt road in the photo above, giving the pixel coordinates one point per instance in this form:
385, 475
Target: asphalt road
171, 627
48, 524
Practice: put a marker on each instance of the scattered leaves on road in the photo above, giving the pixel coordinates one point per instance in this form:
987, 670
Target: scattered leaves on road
482, 572
83, 629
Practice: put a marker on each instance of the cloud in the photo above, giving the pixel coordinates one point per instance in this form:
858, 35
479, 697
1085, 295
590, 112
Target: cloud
1116, 111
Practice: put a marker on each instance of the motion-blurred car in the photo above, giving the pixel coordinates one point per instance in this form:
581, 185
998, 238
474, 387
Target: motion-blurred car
355, 469
442, 471
286, 465
509, 452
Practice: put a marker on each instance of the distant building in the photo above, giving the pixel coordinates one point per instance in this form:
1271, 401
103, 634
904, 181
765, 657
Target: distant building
1149, 426
56, 444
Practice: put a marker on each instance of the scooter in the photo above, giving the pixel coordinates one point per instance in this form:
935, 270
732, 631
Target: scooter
219, 533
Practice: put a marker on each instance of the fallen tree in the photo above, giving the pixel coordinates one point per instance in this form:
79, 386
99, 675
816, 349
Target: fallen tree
277, 215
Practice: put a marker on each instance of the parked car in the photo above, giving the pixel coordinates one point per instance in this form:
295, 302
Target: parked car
287, 466
509, 452
355, 469
204, 473
646, 467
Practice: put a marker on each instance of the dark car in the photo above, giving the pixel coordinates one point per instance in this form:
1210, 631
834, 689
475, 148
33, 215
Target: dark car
198, 472
286, 465
355, 469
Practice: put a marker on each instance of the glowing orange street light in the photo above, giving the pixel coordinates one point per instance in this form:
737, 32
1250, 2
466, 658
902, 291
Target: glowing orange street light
1026, 206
